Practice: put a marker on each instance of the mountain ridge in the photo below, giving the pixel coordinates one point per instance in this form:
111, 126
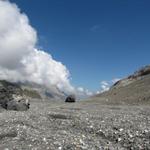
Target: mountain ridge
134, 89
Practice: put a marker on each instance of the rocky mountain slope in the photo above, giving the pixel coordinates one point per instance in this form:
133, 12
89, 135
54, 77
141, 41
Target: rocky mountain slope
135, 89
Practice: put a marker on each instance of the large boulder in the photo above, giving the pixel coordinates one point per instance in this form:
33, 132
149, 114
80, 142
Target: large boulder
71, 99
11, 97
18, 103
19, 106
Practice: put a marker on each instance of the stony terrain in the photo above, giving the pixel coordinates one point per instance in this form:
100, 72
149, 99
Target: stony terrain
118, 119
75, 126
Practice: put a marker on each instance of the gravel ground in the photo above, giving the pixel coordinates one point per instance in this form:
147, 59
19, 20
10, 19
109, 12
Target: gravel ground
75, 126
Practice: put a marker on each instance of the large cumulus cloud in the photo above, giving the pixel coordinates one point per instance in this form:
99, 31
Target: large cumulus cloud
20, 60
17, 37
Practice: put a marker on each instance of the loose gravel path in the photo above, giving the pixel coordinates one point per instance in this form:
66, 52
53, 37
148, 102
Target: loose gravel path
76, 126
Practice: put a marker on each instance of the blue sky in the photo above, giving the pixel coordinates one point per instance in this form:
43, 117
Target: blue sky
96, 39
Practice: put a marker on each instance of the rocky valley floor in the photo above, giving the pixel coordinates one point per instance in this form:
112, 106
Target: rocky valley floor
75, 126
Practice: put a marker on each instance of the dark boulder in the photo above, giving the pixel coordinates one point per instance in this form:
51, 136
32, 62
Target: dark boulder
71, 99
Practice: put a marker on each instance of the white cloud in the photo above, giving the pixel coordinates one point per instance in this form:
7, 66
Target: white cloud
105, 85
88, 93
82, 92
98, 92
17, 37
20, 60
80, 89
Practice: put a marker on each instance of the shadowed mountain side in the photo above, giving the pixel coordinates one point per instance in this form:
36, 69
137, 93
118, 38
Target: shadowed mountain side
134, 89
32, 91
41, 92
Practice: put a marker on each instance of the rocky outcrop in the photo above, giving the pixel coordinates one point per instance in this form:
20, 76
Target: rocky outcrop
139, 74
132, 90
12, 98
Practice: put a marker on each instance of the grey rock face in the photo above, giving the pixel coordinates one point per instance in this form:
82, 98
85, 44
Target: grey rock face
19, 104
11, 97
71, 98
